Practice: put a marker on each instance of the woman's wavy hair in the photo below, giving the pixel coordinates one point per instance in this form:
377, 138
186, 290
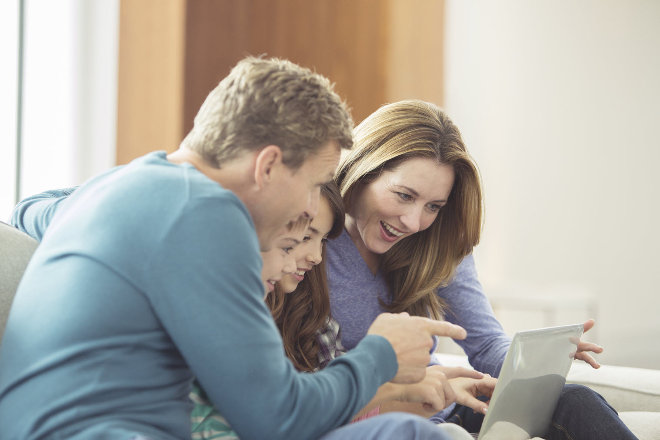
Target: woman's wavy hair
300, 315
417, 265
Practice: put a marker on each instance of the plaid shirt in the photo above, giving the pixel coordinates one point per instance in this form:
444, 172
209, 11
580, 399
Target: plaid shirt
331, 347
330, 342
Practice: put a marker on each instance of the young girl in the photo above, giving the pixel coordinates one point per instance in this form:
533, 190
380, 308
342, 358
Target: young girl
206, 421
300, 303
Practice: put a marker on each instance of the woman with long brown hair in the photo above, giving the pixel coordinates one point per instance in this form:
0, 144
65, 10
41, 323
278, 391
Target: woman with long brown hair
413, 201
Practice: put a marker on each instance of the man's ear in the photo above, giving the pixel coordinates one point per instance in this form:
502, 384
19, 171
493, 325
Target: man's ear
267, 164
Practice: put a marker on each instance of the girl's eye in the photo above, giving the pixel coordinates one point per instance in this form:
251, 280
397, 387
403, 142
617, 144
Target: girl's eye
405, 197
287, 250
306, 238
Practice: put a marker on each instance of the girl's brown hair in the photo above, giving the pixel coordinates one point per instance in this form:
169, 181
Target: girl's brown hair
417, 265
300, 315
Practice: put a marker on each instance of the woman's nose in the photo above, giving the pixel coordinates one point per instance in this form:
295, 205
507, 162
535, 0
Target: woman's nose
412, 220
315, 257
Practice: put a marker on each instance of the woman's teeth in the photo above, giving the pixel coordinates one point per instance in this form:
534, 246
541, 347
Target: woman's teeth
300, 273
391, 230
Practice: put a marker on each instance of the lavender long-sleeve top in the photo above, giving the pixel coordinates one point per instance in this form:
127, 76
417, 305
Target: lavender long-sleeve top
355, 294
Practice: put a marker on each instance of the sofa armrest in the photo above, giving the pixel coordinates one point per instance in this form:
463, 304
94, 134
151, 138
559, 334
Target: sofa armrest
625, 388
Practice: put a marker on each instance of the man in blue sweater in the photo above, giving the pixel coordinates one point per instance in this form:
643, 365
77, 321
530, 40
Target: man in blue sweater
148, 276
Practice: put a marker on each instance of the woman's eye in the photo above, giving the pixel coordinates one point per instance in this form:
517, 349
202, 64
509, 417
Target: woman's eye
287, 250
405, 197
434, 208
306, 238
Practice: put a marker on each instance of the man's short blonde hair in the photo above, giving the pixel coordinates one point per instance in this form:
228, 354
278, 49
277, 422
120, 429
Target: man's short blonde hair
269, 102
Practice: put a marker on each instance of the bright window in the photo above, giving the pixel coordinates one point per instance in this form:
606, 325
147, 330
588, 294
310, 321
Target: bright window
69, 94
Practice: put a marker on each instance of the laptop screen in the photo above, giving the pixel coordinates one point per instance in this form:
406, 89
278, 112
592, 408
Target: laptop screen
531, 380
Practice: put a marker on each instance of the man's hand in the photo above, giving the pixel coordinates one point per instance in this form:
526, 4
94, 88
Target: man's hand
411, 339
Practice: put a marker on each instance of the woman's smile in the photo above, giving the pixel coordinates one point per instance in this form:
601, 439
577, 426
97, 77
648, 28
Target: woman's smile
389, 232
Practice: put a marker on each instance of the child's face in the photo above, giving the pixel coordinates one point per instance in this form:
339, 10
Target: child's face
280, 260
308, 253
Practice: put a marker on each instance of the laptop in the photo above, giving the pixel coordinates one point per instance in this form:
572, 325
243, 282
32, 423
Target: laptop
531, 380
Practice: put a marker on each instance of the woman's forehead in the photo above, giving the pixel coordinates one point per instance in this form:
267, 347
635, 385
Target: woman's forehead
322, 223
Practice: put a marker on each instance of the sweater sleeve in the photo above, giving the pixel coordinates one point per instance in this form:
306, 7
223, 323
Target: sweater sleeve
33, 214
207, 293
486, 343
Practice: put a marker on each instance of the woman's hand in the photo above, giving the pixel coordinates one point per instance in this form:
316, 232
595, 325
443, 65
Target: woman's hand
435, 392
468, 389
584, 347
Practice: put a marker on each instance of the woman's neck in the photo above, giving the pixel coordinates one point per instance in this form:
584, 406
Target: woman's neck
371, 259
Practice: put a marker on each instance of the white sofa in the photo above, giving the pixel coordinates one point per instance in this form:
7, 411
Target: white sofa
16, 248
633, 392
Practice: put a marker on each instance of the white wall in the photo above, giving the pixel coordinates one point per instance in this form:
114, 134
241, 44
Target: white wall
558, 101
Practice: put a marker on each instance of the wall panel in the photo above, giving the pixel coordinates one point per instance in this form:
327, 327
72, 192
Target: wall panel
173, 52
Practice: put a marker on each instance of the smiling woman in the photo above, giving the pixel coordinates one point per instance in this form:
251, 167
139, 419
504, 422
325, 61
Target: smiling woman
397, 204
413, 215
413, 201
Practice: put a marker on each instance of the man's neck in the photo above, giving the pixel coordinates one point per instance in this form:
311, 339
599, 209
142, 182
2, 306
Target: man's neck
234, 178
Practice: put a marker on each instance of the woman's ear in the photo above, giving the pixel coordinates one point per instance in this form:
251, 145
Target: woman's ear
267, 164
